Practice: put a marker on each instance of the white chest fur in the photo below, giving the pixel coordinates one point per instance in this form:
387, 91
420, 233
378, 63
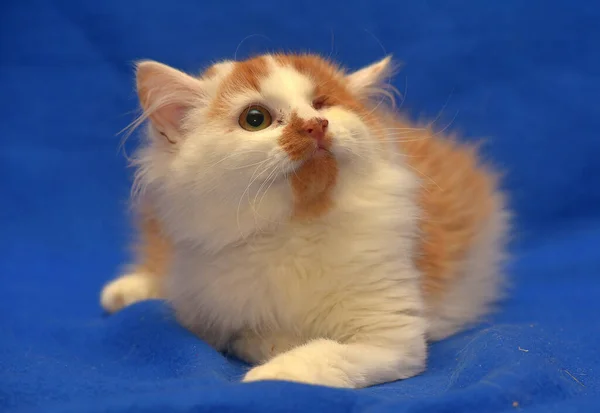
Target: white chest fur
307, 276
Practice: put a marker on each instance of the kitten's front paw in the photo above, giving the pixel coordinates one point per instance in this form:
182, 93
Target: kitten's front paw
128, 289
297, 370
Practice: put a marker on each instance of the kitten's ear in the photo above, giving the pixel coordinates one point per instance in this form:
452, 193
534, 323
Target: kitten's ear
371, 78
166, 94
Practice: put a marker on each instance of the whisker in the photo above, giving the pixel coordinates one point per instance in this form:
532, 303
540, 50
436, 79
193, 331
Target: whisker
271, 173
448, 125
354, 153
246, 38
442, 109
405, 93
278, 171
378, 42
233, 155
375, 108
252, 204
399, 129
243, 166
430, 179
332, 42
402, 140
256, 208
396, 137
251, 181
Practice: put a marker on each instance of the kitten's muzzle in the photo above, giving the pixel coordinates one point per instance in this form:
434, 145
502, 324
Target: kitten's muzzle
316, 128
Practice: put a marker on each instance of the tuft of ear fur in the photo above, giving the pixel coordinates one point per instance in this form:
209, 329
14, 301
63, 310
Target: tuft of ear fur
166, 95
373, 80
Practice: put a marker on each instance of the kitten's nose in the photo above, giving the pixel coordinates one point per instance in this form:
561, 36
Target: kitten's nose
316, 128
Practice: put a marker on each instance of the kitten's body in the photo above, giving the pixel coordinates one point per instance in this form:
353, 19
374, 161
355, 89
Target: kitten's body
329, 268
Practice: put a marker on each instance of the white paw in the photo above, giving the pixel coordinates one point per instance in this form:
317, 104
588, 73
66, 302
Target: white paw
289, 369
128, 289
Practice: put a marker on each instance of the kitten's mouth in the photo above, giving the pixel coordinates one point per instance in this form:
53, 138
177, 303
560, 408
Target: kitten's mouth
322, 148
318, 155
320, 152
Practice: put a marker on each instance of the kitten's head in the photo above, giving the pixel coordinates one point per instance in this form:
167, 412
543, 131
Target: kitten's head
255, 143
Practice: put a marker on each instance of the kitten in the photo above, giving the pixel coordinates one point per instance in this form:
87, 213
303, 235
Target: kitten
292, 220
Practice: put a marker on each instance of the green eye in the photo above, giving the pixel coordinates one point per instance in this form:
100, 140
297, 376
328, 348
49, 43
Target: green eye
255, 118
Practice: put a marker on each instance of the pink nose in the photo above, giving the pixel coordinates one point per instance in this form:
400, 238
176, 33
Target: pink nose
316, 128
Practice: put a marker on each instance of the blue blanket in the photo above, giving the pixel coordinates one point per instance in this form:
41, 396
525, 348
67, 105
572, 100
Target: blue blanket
525, 75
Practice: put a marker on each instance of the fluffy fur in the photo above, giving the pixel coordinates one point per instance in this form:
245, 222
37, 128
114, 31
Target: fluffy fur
328, 259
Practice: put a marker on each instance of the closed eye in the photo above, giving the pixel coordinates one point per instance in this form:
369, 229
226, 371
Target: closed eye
321, 102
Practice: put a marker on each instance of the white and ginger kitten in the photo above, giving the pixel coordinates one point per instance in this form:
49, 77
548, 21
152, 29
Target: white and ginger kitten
291, 220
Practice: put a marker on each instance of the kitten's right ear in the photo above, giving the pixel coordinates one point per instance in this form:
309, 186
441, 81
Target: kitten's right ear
166, 95
371, 79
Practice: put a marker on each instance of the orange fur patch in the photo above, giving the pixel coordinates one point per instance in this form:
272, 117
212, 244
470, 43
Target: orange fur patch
295, 142
328, 79
245, 75
312, 185
330, 86
457, 197
313, 182
153, 249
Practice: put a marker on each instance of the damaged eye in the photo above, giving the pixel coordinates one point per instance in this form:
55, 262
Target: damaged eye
320, 102
255, 118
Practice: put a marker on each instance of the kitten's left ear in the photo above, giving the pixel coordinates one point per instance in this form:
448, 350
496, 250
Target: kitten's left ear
166, 95
372, 78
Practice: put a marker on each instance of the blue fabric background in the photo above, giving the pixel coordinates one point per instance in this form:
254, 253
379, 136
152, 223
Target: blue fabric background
524, 74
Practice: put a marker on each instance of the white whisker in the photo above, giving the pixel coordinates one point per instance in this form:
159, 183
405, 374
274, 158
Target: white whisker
233, 155
253, 178
430, 179
278, 171
246, 38
448, 125
271, 173
430, 124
